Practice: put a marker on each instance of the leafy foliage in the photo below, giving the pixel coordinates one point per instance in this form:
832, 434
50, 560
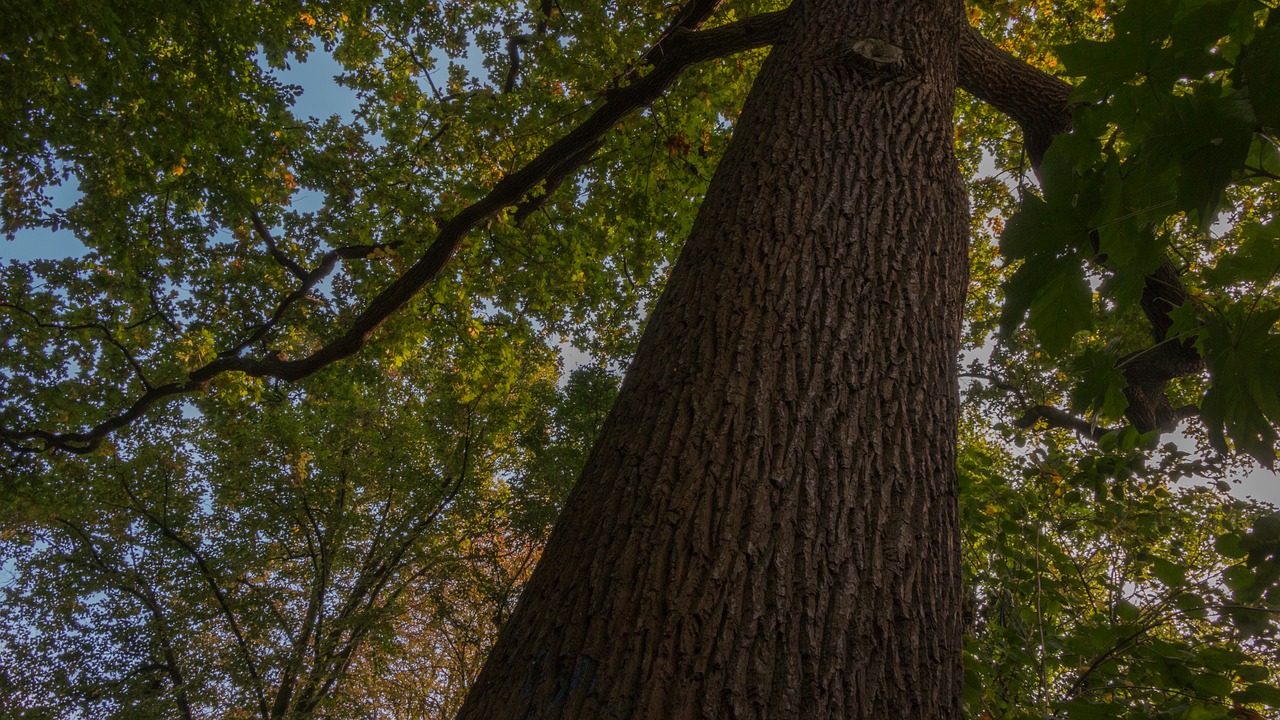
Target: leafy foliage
1097, 591
1170, 156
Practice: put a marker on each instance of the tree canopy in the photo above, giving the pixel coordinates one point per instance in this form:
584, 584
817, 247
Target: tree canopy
287, 437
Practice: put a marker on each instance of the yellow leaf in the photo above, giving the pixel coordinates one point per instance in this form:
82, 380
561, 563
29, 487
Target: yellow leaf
308, 19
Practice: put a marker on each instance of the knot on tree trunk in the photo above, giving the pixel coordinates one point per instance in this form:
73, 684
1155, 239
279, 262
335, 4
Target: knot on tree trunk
876, 51
873, 54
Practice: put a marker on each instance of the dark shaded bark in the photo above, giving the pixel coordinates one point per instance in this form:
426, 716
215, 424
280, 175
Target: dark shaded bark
1149, 370
1038, 102
767, 526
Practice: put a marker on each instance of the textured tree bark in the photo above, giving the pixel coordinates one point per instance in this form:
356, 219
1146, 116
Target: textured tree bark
767, 527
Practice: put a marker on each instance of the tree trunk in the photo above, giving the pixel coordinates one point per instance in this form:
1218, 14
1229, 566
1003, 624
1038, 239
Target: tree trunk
767, 526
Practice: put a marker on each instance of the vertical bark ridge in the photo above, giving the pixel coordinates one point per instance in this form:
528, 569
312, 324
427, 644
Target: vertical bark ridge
767, 526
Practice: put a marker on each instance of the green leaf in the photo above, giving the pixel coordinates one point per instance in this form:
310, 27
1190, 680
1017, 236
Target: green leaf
1243, 402
1253, 673
1157, 41
1127, 611
1041, 229
1169, 573
1238, 577
1213, 685
1200, 23
1090, 710
1064, 175
1102, 638
1100, 386
1228, 544
1260, 693
1256, 260
1259, 66
1208, 134
1266, 528
1192, 604
1104, 65
1053, 296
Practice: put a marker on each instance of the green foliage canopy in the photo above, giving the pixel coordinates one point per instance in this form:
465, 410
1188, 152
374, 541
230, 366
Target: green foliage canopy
348, 544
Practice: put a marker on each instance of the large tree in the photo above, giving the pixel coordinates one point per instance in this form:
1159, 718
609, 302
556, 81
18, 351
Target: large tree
768, 524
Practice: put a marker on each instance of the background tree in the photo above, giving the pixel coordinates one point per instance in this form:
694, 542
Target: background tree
209, 270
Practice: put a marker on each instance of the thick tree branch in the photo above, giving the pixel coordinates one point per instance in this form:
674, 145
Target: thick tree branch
676, 50
1040, 104
554, 179
690, 17
1034, 99
1149, 370
1057, 418
514, 42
